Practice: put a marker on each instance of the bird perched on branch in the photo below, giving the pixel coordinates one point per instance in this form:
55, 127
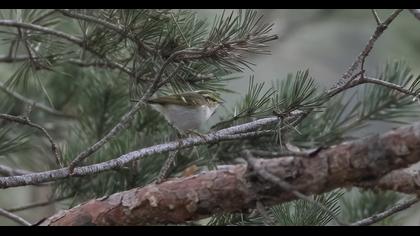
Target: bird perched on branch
187, 111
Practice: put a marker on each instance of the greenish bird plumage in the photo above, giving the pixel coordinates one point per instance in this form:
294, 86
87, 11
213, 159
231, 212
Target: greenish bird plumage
187, 111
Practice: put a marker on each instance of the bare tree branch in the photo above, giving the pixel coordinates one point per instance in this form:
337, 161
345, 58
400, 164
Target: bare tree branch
387, 84
16, 24
234, 188
26, 121
38, 204
38, 105
14, 217
365, 52
377, 19
380, 216
165, 170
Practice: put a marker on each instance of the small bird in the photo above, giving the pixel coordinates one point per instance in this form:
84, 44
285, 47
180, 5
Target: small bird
187, 111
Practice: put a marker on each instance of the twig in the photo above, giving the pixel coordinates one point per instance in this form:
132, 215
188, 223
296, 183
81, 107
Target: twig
377, 19
38, 105
180, 30
26, 121
60, 34
68, 37
103, 23
263, 153
284, 185
415, 12
106, 64
261, 210
165, 170
388, 85
38, 204
14, 217
10, 58
365, 52
380, 216
8, 171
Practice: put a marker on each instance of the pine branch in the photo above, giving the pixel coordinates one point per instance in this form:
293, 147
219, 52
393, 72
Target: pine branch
391, 211
233, 189
106, 24
202, 53
125, 119
59, 34
38, 105
26, 121
78, 62
377, 19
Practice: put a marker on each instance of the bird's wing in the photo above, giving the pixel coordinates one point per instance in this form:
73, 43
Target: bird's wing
180, 99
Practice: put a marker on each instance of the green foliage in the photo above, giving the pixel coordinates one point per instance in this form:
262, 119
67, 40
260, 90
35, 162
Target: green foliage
341, 116
295, 92
301, 212
10, 142
298, 212
12, 137
380, 103
98, 80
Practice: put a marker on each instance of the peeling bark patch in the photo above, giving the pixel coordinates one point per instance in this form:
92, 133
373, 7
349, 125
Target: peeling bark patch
153, 201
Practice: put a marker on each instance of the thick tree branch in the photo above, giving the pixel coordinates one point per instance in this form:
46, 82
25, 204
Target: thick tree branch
405, 181
234, 189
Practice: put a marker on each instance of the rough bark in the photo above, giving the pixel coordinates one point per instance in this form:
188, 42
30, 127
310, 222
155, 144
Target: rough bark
363, 162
